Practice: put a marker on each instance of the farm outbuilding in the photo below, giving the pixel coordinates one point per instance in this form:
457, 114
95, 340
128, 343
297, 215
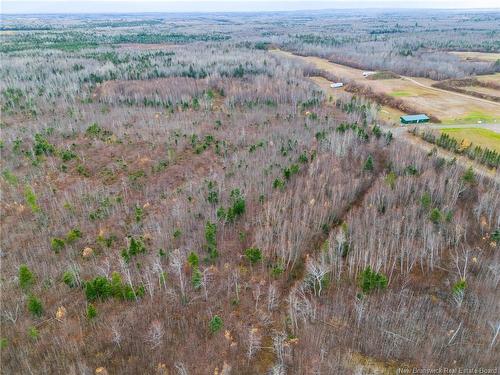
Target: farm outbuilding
336, 85
414, 119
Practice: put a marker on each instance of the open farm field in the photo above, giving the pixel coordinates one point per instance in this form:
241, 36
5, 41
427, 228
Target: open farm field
483, 90
447, 106
495, 78
481, 137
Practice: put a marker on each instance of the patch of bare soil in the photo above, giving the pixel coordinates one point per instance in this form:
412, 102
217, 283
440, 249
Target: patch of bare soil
362, 364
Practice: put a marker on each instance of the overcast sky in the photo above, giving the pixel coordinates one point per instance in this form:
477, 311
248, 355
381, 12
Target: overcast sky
120, 6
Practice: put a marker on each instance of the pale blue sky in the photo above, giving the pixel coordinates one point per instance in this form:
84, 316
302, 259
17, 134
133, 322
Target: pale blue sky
120, 6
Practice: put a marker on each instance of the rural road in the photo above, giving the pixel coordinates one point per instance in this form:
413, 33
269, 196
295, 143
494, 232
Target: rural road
450, 92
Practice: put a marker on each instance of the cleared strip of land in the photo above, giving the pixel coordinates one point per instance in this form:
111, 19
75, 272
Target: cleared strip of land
481, 56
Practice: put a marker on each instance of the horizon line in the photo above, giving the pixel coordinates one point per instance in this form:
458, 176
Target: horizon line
159, 12
54, 7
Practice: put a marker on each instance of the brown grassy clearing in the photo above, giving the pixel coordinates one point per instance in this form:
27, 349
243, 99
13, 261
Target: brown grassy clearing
478, 56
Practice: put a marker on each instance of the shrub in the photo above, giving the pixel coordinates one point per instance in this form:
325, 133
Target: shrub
31, 200
368, 166
345, 249
10, 177
94, 130
33, 333
213, 197
106, 241
426, 200
136, 246
57, 244
196, 279
320, 136
73, 235
193, 260
469, 176
390, 179
290, 171
411, 170
82, 170
370, 280
221, 213
35, 306
253, 255
303, 158
238, 205
119, 290
277, 270
215, 324
26, 277
69, 278
435, 215
459, 287
239, 71
278, 184
42, 146
138, 213
91, 311
98, 288
495, 236
67, 155
211, 238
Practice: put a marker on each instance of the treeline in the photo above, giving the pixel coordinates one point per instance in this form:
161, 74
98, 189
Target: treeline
75, 40
405, 45
457, 84
485, 156
153, 38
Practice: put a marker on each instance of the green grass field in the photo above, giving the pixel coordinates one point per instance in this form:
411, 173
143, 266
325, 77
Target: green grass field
480, 137
473, 118
401, 93
383, 75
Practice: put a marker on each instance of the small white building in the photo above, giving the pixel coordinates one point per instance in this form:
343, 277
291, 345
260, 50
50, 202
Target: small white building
336, 85
366, 74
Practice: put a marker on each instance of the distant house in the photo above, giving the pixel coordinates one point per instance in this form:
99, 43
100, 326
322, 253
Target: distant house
366, 74
336, 85
414, 119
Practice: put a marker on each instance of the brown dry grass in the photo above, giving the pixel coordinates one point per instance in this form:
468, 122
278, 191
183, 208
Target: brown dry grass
478, 56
